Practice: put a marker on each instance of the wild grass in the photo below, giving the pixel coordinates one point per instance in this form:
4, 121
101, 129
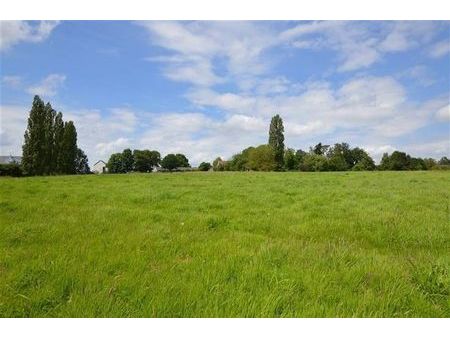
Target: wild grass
353, 244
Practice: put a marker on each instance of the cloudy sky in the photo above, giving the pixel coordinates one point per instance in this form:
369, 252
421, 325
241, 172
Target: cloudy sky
209, 89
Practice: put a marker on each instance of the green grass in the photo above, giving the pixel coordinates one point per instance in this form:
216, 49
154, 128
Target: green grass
374, 244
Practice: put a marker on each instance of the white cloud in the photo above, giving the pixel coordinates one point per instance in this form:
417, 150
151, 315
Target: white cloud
14, 32
12, 81
359, 45
405, 35
48, 86
198, 46
440, 49
13, 122
115, 146
420, 74
443, 114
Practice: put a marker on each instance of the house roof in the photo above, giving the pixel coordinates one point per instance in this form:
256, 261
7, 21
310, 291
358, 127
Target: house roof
100, 161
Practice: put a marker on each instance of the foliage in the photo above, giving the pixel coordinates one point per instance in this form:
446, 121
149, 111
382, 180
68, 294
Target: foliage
115, 164
11, 169
262, 158
218, 164
314, 162
170, 162
290, 160
146, 160
276, 140
183, 161
50, 144
127, 160
204, 166
81, 163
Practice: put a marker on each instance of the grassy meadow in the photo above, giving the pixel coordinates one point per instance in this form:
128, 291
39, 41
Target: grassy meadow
350, 244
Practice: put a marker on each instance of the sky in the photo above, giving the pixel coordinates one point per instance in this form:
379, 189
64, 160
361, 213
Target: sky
210, 88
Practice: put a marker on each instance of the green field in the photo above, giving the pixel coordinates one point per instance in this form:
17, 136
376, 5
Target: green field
350, 244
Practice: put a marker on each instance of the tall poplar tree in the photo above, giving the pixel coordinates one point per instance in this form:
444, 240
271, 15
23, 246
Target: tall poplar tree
33, 149
69, 148
276, 140
58, 155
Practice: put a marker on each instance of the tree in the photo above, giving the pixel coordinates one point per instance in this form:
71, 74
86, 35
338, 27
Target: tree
115, 164
218, 164
81, 163
429, 163
204, 166
290, 159
362, 160
262, 158
127, 160
145, 160
396, 161
170, 162
314, 162
444, 161
58, 155
48, 139
183, 162
276, 140
319, 149
33, 150
69, 148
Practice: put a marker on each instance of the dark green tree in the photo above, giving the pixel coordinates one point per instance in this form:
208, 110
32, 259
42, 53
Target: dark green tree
290, 160
170, 162
128, 160
58, 136
183, 162
81, 163
444, 161
276, 140
146, 160
319, 149
69, 148
115, 164
204, 166
34, 154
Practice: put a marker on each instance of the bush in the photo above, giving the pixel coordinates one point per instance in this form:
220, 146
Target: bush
204, 166
11, 169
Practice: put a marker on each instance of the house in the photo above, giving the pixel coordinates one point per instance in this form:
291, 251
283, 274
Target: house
99, 167
10, 159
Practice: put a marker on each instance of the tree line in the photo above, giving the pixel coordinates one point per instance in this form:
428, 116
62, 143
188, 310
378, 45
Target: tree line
50, 147
144, 161
274, 156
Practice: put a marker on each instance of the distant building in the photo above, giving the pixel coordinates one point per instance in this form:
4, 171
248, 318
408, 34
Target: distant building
99, 167
10, 159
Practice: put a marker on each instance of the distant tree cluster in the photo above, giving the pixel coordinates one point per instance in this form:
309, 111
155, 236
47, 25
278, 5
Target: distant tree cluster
321, 157
50, 145
144, 161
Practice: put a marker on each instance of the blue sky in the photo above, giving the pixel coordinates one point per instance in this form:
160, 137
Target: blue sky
209, 88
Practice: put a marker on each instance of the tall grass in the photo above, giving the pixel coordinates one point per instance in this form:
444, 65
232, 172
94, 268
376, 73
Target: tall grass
354, 244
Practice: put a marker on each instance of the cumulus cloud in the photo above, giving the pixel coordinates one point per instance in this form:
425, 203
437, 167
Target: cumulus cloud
47, 86
14, 32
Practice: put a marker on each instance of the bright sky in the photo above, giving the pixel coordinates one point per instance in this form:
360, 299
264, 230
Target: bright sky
209, 89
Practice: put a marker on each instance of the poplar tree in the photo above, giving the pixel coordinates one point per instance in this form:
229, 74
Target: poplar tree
69, 148
276, 140
58, 155
33, 150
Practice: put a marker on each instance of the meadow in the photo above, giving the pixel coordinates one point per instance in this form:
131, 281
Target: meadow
248, 244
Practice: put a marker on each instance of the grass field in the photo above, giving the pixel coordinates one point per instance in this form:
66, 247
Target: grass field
373, 244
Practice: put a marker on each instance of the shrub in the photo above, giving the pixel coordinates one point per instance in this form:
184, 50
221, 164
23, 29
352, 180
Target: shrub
11, 169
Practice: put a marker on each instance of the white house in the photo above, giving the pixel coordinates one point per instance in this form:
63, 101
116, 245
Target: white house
99, 167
